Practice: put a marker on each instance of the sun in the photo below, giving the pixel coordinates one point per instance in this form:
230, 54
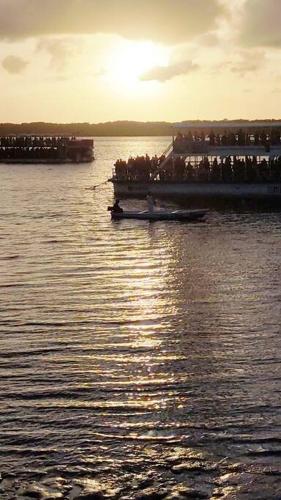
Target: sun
128, 61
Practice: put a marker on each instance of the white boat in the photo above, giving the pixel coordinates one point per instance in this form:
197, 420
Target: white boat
170, 215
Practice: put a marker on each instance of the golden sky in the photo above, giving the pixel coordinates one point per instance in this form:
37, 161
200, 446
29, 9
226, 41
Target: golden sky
148, 60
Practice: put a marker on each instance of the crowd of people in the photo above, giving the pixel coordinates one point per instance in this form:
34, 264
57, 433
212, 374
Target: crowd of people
30, 141
229, 169
199, 140
30, 153
140, 168
27, 147
32, 148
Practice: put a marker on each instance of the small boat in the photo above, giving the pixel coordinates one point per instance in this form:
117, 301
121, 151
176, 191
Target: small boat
172, 215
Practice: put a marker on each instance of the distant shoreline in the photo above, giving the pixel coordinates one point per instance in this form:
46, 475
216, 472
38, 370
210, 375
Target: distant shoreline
107, 129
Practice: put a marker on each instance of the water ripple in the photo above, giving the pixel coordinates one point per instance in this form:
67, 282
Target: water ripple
137, 360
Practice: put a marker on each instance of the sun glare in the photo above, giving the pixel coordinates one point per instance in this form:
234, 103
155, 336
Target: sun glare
129, 61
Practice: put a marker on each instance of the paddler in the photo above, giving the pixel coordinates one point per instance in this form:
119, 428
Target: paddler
116, 207
150, 202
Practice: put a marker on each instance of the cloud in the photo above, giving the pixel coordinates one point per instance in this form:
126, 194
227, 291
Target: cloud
60, 51
243, 62
250, 61
209, 40
162, 74
14, 65
261, 23
168, 21
244, 67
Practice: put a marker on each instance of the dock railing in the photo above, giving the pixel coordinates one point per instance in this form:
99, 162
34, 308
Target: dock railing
168, 153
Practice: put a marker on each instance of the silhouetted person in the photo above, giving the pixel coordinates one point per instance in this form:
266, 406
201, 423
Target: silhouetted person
116, 207
150, 202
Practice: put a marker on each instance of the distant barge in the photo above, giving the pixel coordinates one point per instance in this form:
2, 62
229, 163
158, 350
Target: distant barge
45, 149
212, 161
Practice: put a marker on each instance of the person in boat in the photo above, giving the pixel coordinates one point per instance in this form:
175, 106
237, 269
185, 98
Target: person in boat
116, 207
150, 202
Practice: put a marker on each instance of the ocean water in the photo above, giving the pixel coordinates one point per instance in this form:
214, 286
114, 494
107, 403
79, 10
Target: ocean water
137, 360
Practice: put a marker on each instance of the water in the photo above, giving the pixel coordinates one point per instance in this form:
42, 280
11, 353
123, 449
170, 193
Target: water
137, 360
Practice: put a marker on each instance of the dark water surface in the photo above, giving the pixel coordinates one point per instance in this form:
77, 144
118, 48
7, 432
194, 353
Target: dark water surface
137, 360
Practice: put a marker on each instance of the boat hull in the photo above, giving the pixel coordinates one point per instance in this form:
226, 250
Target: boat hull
175, 215
200, 190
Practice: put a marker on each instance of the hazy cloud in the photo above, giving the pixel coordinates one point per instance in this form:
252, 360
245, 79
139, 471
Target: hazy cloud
167, 21
209, 39
250, 61
244, 67
162, 74
243, 62
14, 64
60, 51
261, 23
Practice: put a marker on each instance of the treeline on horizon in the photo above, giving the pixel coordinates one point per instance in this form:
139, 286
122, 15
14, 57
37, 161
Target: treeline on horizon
107, 129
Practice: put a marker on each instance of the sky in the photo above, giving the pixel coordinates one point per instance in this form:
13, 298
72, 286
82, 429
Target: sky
145, 60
